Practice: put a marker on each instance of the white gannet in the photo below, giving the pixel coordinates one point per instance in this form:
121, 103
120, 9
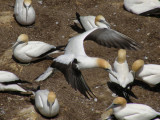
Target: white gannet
90, 22
24, 12
149, 73
46, 103
143, 7
124, 78
9, 82
132, 111
27, 51
75, 59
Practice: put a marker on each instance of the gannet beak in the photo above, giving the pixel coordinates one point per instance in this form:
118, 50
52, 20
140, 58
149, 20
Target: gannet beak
15, 44
106, 23
112, 106
111, 72
27, 8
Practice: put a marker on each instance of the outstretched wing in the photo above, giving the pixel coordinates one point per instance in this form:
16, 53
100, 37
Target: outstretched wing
74, 77
111, 38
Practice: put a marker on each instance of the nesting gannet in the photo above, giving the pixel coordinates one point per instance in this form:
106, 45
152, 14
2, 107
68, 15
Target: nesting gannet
90, 22
143, 7
24, 12
105, 36
46, 103
9, 82
27, 51
132, 111
149, 73
124, 78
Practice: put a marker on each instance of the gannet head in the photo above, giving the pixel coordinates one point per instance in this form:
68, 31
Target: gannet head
118, 102
101, 22
137, 65
105, 65
27, 5
51, 99
23, 38
121, 56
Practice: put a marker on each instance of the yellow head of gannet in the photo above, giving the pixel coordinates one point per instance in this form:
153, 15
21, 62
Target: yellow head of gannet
137, 65
27, 2
105, 65
121, 56
51, 98
23, 38
101, 22
119, 101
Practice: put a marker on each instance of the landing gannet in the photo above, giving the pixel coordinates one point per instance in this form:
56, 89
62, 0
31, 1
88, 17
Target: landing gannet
143, 7
124, 78
73, 60
9, 82
27, 51
132, 111
149, 73
46, 103
105, 36
24, 12
90, 22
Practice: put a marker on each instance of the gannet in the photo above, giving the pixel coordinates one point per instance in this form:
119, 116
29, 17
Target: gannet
149, 73
47, 103
143, 7
132, 111
24, 12
9, 82
75, 59
28, 51
124, 78
90, 22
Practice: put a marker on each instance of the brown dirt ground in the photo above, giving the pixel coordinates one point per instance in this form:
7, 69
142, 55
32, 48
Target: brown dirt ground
74, 106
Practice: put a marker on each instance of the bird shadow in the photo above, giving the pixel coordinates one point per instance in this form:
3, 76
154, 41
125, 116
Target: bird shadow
76, 28
146, 86
16, 93
35, 61
122, 92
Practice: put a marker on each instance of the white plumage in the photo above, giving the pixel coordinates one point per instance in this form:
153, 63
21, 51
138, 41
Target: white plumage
142, 6
7, 80
42, 103
149, 73
28, 51
24, 12
132, 111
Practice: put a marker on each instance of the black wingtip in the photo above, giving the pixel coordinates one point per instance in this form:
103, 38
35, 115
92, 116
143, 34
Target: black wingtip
77, 15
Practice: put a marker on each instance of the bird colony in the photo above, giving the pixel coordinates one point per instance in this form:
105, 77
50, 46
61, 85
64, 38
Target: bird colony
73, 59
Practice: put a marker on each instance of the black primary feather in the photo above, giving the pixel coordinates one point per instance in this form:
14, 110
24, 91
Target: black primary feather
74, 77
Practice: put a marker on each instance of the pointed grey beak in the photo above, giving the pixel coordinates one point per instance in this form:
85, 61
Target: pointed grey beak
112, 106
106, 23
15, 44
27, 8
111, 72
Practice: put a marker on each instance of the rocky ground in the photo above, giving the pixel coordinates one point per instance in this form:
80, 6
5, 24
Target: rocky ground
53, 21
